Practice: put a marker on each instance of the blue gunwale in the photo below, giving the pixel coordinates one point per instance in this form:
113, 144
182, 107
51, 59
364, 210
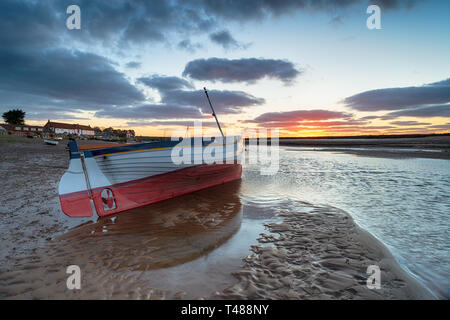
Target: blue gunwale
74, 152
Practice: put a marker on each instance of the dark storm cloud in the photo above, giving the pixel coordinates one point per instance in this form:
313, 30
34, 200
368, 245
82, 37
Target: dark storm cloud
226, 40
139, 22
445, 82
395, 4
242, 11
401, 98
224, 101
423, 112
42, 77
133, 65
177, 103
66, 75
152, 111
245, 70
188, 45
25, 24
300, 115
164, 83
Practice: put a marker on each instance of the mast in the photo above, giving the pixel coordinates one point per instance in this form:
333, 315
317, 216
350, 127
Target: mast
213, 113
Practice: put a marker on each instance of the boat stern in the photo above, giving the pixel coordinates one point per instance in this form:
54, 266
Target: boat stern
73, 190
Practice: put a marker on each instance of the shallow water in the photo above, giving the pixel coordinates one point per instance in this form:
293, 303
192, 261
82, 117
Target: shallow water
185, 247
403, 202
188, 246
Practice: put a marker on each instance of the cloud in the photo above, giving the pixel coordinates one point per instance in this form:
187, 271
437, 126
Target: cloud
395, 4
187, 45
424, 112
409, 123
401, 98
25, 24
226, 40
224, 101
241, 70
336, 21
331, 123
297, 120
133, 65
299, 115
177, 103
165, 83
32, 114
348, 129
441, 126
369, 118
174, 123
323, 121
242, 11
39, 73
139, 22
62, 79
445, 82
152, 111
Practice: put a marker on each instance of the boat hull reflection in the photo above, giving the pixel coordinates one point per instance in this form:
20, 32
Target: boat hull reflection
160, 235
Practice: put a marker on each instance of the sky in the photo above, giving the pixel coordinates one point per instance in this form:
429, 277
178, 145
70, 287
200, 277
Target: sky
304, 67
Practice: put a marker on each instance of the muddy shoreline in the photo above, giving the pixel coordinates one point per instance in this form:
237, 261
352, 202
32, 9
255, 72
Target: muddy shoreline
320, 253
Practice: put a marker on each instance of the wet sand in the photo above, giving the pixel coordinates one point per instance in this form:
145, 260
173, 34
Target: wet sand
320, 253
196, 246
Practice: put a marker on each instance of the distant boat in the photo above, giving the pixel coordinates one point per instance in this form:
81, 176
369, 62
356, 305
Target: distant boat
110, 179
51, 142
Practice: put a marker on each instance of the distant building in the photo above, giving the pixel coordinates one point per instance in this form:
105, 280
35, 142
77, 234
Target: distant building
130, 134
21, 129
67, 128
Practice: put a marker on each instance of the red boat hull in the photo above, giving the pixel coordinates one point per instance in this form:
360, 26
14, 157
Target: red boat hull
125, 196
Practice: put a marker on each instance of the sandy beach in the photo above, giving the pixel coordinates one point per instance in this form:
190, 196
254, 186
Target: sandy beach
320, 253
310, 252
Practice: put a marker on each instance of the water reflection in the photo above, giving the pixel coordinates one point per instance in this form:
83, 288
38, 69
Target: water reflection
163, 234
185, 247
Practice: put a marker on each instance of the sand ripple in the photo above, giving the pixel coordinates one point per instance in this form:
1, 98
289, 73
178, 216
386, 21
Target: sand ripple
319, 253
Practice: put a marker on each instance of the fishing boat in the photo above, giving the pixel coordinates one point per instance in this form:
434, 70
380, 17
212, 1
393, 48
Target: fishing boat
108, 179
50, 142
